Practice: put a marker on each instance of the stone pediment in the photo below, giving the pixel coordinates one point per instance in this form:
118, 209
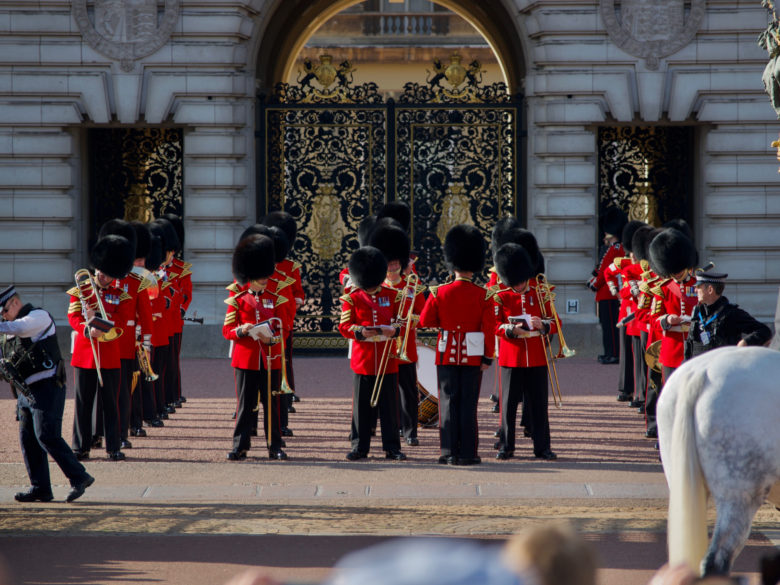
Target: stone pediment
651, 29
126, 30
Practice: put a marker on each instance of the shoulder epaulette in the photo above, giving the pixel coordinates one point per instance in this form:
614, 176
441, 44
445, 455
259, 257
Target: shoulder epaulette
186, 265
346, 298
644, 287
434, 289
296, 265
232, 302
280, 299
281, 284
185, 270
489, 294
420, 288
492, 269
74, 292
497, 299
125, 296
233, 287
135, 275
399, 294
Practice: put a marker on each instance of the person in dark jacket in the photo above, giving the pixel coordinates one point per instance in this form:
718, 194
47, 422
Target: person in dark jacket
716, 322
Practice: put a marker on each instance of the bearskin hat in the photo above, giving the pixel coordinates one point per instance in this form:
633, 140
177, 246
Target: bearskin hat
672, 252
680, 225
364, 229
514, 265
143, 238
392, 241
367, 267
613, 221
502, 226
178, 225
527, 240
113, 255
170, 241
253, 259
283, 220
155, 256
464, 249
640, 243
628, 233
119, 227
399, 211
281, 243
255, 229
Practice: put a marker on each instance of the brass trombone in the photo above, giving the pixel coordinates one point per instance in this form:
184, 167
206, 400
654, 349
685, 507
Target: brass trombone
380, 374
564, 350
543, 293
284, 387
90, 301
405, 315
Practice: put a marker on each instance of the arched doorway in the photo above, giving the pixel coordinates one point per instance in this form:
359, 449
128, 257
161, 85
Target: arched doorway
331, 152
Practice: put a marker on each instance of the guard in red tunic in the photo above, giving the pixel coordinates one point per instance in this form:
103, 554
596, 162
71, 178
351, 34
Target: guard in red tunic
252, 324
617, 278
367, 315
673, 256
183, 273
522, 327
290, 269
607, 297
96, 351
133, 316
394, 244
463, 313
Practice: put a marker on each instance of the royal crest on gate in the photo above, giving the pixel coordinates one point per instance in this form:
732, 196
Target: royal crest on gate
652, 29
126, 30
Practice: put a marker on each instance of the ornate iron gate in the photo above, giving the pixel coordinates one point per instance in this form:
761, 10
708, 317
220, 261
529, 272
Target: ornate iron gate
332, 153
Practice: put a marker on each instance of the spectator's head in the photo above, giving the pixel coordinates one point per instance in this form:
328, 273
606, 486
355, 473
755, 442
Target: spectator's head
710, 286
553, 555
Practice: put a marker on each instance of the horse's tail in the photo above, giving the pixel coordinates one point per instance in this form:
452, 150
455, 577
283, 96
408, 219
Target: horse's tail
687, 522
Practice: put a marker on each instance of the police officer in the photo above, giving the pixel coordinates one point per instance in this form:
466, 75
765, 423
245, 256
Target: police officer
716, 322
29, 348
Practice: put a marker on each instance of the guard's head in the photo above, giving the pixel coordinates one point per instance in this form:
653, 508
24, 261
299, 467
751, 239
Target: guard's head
464, 249
367, 267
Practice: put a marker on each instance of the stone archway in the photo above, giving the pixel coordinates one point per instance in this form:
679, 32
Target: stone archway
292, 22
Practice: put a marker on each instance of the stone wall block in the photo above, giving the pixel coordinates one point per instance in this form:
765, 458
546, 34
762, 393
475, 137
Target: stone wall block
732, 202
729, 139
39, 143
222, 144
159, 88
53, 50
557, 204
127, 97
41, 206
41, 21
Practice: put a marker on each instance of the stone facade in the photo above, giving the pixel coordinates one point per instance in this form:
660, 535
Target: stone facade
56, 81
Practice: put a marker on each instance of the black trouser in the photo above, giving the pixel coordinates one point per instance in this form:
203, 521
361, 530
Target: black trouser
408, 393
40, 433
86, 388
608, 317
639, 343
172, 373
125, 381
160, 367
458, 396
252, 385
626, 367
136, 397
177, 345
530, 386
364, 415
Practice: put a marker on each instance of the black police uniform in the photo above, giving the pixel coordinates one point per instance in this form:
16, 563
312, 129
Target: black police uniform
38, 361
722, 323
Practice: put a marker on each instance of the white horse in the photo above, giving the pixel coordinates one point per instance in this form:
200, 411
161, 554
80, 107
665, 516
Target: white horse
719, 433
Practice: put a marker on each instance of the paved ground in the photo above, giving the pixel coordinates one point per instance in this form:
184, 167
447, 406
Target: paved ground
177, 512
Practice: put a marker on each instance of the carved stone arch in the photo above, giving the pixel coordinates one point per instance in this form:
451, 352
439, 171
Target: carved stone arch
288, 24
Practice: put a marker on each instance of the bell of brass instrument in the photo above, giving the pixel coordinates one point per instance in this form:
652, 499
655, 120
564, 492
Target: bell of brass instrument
144, 362
564, 350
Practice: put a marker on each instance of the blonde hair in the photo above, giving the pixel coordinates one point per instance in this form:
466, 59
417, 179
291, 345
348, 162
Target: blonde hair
553, 555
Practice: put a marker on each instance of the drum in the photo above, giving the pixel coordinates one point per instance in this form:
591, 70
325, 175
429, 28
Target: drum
427, 384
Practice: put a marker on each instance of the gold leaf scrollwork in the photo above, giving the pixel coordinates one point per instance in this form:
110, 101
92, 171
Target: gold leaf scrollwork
454, 210
138, 205
326, 228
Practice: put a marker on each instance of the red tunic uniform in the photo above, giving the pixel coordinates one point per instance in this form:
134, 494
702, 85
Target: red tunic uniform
249, 307
599, 281
360, 309
527, 351
133, 311
457, 309
107, 351
418, 302
675, 298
